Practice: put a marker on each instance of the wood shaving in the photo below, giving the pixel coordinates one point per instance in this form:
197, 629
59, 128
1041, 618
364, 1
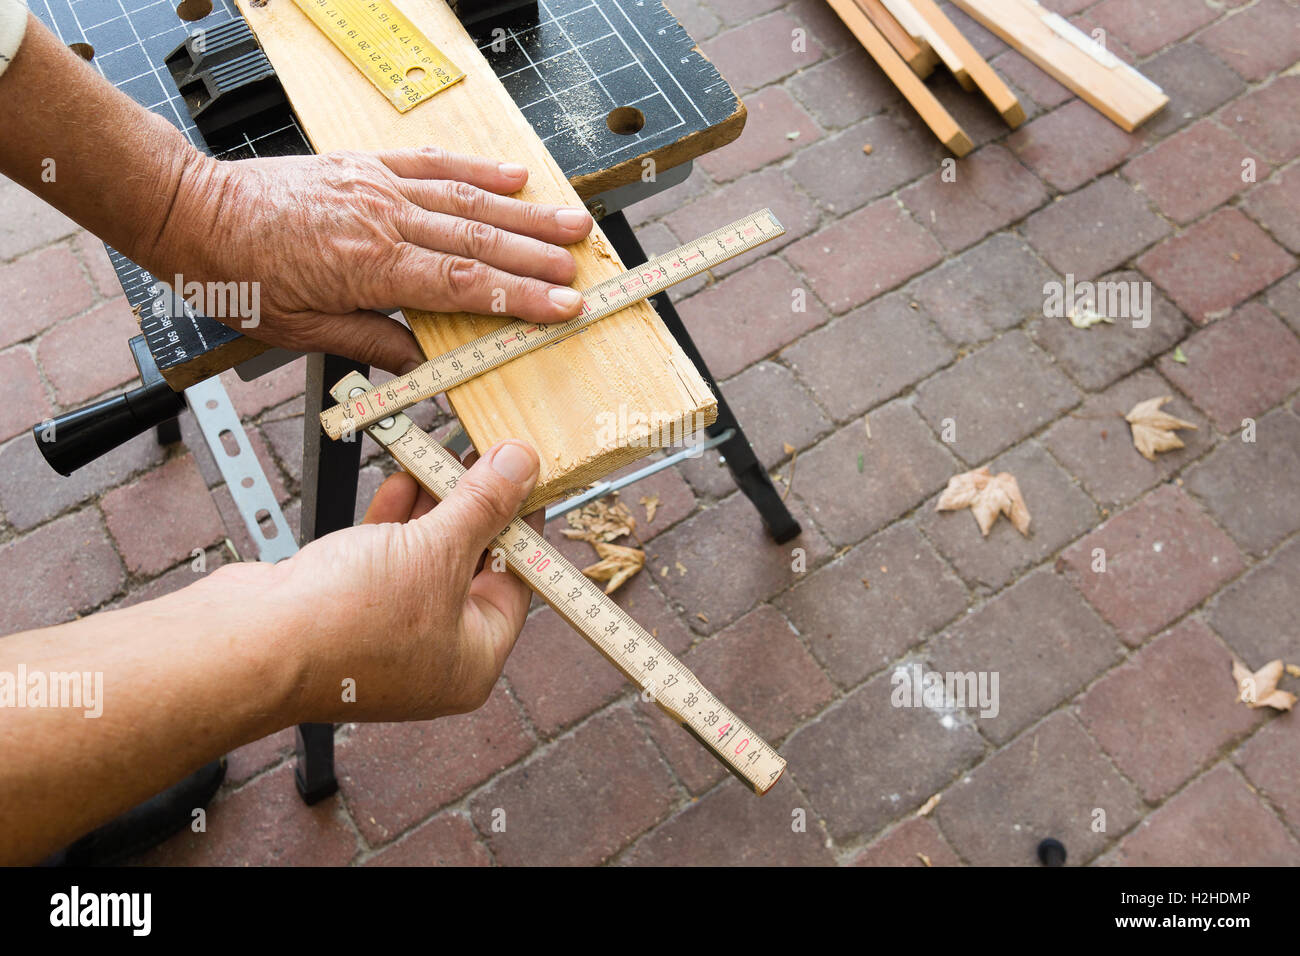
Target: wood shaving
929, 805
618, 564
651, 505
600, 520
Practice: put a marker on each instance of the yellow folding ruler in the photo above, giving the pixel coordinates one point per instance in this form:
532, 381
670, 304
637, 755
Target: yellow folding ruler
519, 338
400, 61
580, 601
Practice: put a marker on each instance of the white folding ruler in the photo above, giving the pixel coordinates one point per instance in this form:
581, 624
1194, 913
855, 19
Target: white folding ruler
580, 601
519, 338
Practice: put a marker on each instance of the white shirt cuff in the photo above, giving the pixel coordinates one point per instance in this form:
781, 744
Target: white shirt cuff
13, 24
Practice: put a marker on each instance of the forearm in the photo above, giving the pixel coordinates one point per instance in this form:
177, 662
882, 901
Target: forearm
87, 149
185, 678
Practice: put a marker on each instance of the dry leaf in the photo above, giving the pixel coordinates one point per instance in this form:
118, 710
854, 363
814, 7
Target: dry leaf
1153, 430
929, 805
617, 564
651, 505
987, 496
1260, 688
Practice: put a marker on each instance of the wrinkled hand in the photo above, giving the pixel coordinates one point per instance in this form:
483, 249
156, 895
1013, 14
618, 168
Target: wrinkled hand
406, 605
338, 240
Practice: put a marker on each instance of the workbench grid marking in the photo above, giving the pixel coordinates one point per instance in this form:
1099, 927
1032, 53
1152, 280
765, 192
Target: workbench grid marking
582, 128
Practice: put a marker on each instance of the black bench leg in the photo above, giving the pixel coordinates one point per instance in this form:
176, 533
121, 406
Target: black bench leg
168, 432
751, 477
329, 498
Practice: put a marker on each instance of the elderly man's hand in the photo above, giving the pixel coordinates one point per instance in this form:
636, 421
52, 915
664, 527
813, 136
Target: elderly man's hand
405, 604
338, 240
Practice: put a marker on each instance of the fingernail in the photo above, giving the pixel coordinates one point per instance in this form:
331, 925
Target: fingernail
564, 297
572, 218
513, 461
409, 367
513, 170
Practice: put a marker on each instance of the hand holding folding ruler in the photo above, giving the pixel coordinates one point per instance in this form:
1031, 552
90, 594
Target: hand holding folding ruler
627, 645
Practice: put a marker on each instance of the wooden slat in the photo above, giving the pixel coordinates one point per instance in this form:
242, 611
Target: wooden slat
553, 398
1071, 58
998, 93
912, 21
922, 61
909, 84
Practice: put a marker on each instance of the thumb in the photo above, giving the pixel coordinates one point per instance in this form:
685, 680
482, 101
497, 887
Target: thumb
486, 499
367, 337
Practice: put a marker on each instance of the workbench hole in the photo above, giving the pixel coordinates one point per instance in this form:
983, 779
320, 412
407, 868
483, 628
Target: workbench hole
247, 482
211, 403
415, 74
191, 10
267, 526
229, 442
83, 50
625, 121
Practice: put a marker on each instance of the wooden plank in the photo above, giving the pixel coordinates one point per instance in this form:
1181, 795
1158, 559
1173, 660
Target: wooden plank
1072, 58
922, 61
909, 84
998, 93
918, 26
557, 398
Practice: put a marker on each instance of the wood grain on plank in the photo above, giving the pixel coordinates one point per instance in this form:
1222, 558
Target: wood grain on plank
557, 398
1071, 58
922, 61
909, 84
920, 27
990, 84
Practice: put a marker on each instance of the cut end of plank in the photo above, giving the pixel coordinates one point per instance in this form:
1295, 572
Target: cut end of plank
959, 143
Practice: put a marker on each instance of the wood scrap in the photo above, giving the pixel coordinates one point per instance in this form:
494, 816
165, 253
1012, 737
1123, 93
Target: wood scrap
909, 84
1072, 58
983, 75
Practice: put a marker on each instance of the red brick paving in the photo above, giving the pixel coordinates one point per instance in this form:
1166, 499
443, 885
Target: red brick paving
1145, 26
923, 300
1185, 680
1216, 821
1237, 368
1050, 782
1257, 41
1095, 229
1216, 264
1195, 170
917, 842
1276, 207
1096, 357
1151, 563
1071, 145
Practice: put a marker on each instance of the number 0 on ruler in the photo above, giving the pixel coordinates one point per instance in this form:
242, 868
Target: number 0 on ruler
398, 60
